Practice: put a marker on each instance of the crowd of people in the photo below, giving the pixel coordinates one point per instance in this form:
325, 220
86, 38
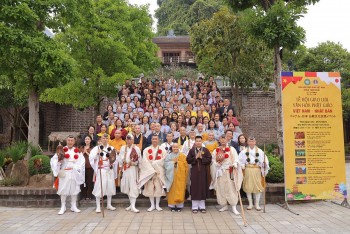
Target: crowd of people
170, 138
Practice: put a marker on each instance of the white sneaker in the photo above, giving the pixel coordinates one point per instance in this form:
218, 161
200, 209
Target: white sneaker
151, 209
234, 210
135, 210
75, 209
158, 208
62, 210
257, 207
128, 208
111, 208
98, 210
223, 209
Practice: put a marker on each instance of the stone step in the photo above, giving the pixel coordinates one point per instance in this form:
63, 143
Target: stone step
47, 197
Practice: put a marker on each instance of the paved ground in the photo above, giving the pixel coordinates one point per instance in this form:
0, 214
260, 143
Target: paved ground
321, 216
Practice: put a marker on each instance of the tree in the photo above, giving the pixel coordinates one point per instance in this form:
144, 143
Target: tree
330, 56
181, 15
30, 60
275, 22
224, 47
113, 42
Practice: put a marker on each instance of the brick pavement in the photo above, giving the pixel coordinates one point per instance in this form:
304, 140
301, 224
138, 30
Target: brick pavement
319, 217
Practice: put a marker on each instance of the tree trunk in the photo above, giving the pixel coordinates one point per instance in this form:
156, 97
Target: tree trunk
33, 128
278, 98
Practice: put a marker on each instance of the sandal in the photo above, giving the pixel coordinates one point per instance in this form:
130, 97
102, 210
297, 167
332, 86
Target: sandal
194, 211
203, 211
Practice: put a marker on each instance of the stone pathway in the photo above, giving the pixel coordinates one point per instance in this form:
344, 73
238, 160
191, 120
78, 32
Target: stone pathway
320, 217
314, 217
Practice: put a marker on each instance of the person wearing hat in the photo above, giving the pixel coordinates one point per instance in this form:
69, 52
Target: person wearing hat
152, 173
105, 170
255, 165
129, 158
226, 175
199, 158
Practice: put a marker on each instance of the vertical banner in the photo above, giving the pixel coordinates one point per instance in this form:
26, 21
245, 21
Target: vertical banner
313, 137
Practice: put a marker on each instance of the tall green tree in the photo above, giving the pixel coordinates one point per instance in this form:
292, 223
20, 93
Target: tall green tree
275, 22
181, 15
31, 61
224, 47
113, 42
330, 56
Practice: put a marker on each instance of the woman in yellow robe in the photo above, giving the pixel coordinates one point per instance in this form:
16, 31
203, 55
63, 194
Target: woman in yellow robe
176, 170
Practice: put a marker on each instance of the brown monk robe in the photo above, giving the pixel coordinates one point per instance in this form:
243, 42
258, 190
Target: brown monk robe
200, 158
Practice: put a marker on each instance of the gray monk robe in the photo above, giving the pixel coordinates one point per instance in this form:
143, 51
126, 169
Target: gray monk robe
199, 173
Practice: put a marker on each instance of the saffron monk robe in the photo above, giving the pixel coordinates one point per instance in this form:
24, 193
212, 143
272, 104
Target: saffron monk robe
200, 159
105, 170
176, 170
68, 165
129, 159
256, 166
117, 143
226, 175
152, 173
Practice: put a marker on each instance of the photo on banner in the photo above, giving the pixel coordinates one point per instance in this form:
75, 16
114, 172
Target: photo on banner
313, 136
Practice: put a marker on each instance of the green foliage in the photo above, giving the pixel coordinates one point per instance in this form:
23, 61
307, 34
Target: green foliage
45, 165
224, 47
113, 42
181, 15
10, 181
2, 158
329, 56
29, 59
276, 172
278, 26
17, 151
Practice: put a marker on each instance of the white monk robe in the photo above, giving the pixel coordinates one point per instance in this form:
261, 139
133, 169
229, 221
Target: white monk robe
108, 174
70, 172
226, 184
130, 174
152, 174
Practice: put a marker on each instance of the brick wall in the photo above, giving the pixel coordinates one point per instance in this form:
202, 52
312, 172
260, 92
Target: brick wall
258, 115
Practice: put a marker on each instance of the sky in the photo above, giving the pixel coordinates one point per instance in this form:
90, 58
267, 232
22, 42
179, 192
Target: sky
326, 20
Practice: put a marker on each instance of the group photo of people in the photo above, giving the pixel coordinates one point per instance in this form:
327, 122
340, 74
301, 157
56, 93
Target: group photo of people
163, 139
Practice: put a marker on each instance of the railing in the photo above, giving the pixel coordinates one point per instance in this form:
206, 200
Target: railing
178, 59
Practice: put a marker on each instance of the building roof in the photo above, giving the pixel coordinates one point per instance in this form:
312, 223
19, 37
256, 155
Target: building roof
172, 39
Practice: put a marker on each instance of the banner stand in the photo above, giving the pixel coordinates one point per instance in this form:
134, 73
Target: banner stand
285, 206
344, 203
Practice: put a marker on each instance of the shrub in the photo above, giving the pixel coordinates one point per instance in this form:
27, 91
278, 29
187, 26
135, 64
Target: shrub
45, 165
34, 150
10, 181
17, 151
276, 172
2, 158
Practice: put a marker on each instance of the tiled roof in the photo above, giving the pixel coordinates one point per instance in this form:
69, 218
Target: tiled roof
174, 39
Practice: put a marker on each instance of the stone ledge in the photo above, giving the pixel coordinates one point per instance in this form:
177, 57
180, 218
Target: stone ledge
47, 197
